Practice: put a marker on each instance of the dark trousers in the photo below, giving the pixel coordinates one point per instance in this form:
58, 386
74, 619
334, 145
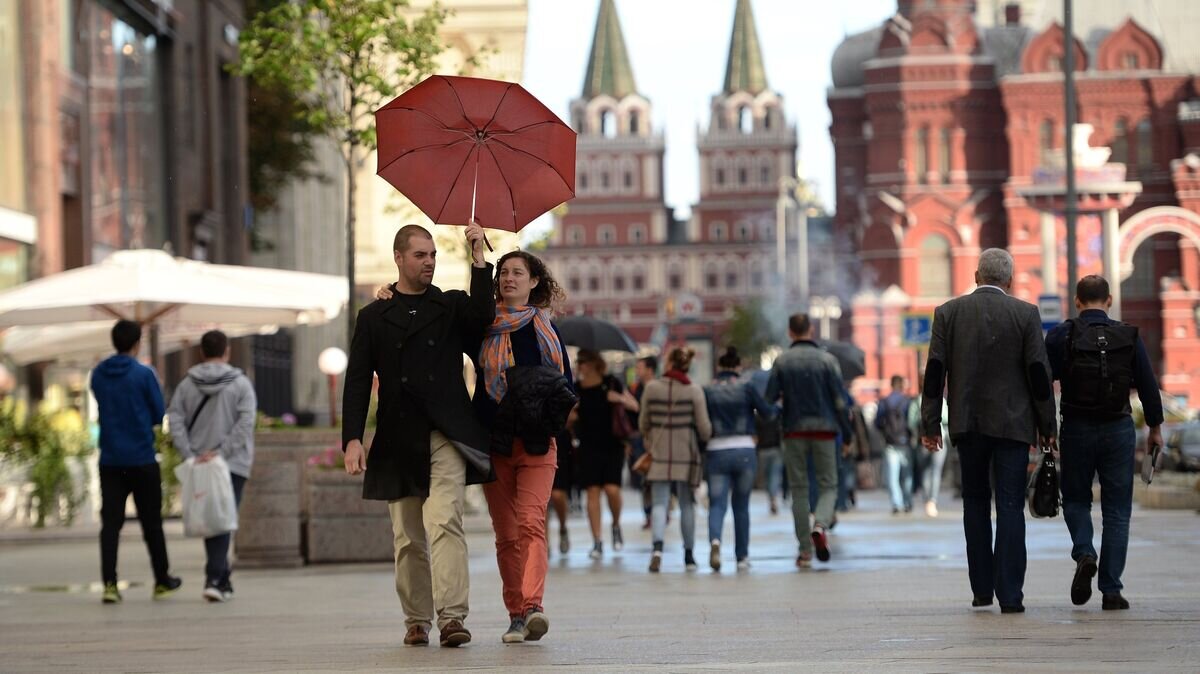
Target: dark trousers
116, 484
999, 571
1103, 448
217, 569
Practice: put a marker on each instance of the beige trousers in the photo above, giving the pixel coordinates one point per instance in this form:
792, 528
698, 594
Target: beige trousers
430, 544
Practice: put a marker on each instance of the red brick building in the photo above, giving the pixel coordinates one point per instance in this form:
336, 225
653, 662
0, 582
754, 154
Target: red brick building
617, 248
948, 126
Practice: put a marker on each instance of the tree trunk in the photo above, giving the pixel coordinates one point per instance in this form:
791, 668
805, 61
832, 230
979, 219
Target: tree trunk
351, 186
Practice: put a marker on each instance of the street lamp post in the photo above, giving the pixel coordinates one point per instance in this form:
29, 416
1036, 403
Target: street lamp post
1069, 152
332, 362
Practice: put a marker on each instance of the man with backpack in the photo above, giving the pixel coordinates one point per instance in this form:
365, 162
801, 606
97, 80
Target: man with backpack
1099, 360
891, 417
212, 414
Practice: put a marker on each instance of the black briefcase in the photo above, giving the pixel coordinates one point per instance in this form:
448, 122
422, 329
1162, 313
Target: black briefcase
1043, 493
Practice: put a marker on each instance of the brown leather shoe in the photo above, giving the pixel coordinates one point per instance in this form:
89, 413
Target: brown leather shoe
453, 635
416, 636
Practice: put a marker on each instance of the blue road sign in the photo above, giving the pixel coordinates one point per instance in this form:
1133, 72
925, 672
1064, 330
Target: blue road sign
1051, 309
916, 329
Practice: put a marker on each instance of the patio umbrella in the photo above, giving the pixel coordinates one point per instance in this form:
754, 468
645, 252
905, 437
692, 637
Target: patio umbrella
151, 287
851, 358
85, 343
464, 149
586, 332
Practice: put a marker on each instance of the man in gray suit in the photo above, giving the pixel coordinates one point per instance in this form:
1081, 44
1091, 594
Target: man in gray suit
989, 347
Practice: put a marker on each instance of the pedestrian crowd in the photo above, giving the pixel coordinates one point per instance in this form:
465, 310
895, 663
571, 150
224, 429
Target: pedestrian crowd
540, 427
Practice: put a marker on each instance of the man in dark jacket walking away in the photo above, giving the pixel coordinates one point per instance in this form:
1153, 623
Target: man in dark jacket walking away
809, 380
428, 442
988, 347
130, 406
891, 417
212, 413
1098, 361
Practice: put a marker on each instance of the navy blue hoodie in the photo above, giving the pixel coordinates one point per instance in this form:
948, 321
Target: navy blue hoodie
131, 405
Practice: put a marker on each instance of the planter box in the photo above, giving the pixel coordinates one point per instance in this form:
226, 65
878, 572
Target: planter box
340, 525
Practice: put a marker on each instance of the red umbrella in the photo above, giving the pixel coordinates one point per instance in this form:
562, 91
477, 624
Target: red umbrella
464, 148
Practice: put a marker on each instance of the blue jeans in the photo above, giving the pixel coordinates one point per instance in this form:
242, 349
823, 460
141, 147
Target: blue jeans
772, 461
999, 572
731, 470
217, 569
660, 493
899, 476
1106, 448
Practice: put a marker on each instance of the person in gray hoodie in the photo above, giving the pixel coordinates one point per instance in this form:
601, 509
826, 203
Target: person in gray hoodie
212, 413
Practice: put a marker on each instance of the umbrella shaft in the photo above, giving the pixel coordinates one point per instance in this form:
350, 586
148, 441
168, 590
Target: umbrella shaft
474, 186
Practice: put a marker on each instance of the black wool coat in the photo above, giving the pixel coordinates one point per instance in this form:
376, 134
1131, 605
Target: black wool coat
419, 361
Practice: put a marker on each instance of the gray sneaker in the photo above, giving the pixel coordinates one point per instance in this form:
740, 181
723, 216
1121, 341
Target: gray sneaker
536, 624
515, 633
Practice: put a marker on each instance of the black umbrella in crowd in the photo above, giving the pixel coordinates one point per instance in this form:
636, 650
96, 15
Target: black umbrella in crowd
586, 332
851, 358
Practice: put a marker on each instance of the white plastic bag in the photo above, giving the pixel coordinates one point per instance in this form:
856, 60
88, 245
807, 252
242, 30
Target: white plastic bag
206, 491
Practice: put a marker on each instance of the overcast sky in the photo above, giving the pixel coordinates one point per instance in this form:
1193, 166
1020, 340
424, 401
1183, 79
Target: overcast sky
679, 48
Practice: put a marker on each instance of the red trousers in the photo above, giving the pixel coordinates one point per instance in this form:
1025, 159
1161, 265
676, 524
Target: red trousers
517, 500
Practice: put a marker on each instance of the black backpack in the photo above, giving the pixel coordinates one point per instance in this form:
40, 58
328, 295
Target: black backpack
1099, 369
895, 424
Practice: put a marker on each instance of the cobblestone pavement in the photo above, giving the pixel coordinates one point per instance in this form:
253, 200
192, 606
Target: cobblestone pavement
895, 597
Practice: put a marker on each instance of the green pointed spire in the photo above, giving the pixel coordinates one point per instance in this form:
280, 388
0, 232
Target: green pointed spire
608, 69
745, 70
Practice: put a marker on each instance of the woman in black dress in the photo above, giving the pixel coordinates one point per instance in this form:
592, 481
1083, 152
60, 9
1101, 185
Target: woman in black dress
601, 454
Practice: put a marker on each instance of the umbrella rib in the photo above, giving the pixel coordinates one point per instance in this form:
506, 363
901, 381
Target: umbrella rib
461, 107
537, 158
402, 108
500, 103
519, 129
456, 177
419, 149
511, 198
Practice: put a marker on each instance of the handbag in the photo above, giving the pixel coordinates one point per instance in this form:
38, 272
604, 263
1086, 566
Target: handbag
642, 465
1043, 491
622, 428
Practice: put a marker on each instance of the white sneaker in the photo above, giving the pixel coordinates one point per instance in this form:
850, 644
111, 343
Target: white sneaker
743, 565
213, 593
931, 509
597, 551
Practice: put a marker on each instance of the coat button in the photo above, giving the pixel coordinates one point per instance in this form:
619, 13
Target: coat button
431, 342
404, 380
430, 377
399, 345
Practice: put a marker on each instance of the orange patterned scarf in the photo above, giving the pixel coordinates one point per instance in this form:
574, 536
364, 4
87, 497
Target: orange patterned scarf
496, 355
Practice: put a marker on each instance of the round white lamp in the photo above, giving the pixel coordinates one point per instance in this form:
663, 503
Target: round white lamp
332, 362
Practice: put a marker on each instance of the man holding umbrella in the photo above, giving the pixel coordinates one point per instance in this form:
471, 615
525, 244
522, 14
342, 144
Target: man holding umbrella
428, 443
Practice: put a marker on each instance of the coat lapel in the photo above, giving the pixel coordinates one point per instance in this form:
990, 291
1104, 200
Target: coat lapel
432, 307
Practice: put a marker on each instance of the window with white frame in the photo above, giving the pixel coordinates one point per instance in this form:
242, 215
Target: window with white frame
575, 235
637, 234
606, 235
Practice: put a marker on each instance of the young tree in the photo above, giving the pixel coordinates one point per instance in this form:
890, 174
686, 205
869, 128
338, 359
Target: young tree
344, 59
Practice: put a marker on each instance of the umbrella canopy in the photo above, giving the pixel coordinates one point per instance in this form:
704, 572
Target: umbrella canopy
463, 146
586, 332
851, 358
150, 286
85, 343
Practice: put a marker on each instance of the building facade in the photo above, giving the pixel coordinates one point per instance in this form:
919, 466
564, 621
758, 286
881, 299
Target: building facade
120, 128
949, 136
616, 248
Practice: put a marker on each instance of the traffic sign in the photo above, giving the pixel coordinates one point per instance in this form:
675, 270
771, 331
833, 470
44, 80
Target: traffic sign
916, 329
1051, 309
